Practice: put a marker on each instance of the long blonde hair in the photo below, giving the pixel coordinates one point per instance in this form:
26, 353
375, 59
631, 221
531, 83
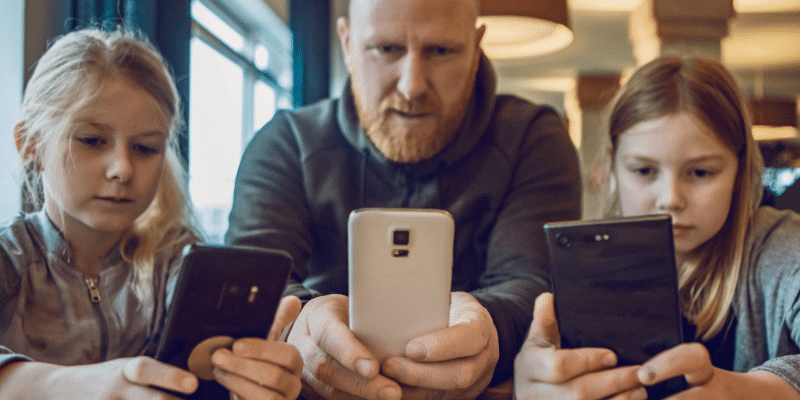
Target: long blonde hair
704, 89
65, 80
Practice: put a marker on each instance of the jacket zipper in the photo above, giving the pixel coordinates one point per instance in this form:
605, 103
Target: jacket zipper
94, 292
94, 295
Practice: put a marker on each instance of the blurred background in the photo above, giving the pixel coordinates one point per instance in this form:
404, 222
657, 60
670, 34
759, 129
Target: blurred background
238, 61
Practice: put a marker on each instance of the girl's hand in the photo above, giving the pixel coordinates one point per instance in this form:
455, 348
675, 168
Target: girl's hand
259, 368
124, 378
707, 382
542, 370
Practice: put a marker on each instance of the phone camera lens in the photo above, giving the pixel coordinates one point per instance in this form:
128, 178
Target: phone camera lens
563, 241
400, 237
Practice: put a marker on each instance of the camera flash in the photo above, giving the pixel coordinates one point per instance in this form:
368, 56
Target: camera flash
253, 291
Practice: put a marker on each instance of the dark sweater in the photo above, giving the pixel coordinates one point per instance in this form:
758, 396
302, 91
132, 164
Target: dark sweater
510, 169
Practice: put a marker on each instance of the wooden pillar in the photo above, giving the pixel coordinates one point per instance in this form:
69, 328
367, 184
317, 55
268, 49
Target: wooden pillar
594, 92
680, 27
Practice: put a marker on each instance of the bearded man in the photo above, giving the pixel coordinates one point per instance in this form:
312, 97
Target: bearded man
418, 126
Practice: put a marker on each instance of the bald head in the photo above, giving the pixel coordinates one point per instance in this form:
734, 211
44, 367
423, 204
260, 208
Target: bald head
360, 8
413, 64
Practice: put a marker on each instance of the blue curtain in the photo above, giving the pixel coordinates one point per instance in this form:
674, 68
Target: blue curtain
167, 23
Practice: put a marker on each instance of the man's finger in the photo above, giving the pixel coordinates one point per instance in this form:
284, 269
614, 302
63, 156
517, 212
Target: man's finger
470, 332
328, 327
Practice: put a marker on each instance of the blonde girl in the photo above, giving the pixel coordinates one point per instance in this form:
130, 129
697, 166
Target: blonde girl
86, 279
681, 144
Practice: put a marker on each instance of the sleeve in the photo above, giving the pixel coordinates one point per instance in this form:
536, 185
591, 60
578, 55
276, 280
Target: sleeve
8, 289
546, 187
779, 279
269, 208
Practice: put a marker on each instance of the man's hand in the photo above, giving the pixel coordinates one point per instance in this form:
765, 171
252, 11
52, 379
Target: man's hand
453, 363
336, 364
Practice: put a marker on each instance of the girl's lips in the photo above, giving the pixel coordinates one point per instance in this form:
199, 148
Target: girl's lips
680, 229
115, 199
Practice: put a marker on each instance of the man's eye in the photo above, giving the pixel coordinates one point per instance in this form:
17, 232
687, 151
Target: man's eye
389, 49
442, 51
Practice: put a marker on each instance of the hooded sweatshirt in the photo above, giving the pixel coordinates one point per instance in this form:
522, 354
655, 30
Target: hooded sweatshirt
510, 168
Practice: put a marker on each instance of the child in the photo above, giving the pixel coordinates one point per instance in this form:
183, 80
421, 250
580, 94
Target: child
87, 279
681, 144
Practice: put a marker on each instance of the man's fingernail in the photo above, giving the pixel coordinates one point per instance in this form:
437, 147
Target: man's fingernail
390, 393
416, 350
364, 367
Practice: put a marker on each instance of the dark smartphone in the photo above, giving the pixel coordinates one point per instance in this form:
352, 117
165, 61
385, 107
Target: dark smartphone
222, 293
615, 286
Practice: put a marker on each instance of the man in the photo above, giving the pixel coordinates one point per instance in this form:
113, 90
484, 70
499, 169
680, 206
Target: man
418, 126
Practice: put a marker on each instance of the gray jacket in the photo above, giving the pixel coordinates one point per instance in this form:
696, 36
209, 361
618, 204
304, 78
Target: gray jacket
768, 298
46, 309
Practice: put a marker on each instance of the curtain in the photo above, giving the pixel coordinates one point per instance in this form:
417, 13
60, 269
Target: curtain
166, 23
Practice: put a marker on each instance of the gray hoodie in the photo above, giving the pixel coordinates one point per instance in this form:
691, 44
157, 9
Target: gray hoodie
511, 168
47, 311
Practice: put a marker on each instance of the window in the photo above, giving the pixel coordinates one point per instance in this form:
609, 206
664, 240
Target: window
240, 75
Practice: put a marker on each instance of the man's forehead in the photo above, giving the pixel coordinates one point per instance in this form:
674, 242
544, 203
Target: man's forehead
382, 17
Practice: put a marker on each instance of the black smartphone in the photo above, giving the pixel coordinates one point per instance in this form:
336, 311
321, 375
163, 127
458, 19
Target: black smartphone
615, 286
222, 293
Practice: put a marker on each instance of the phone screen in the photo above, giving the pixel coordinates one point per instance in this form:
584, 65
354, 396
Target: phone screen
615, 286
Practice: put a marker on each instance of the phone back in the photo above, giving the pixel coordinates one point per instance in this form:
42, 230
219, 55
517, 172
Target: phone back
221, 292
615, 286
400, 275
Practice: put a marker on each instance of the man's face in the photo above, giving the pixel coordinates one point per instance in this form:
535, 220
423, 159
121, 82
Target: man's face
413, 65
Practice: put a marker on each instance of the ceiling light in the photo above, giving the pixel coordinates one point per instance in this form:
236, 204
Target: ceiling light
521, 28
752, 6
774, 119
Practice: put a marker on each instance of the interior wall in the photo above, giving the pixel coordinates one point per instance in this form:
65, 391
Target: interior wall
11, 70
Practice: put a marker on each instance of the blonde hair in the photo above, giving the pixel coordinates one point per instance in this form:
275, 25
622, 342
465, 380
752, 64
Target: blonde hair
66, 79
704, 89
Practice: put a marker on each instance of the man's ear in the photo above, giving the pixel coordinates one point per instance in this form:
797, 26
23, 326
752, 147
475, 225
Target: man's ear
479, 32
26, 147
343, 29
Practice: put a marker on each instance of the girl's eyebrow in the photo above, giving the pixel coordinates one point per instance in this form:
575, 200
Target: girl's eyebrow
104, 128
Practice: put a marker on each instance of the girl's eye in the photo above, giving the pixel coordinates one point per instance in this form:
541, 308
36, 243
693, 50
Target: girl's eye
644, 171
702, 173
89, 141
147, 150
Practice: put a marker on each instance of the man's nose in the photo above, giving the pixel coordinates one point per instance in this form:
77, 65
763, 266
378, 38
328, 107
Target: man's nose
412, 82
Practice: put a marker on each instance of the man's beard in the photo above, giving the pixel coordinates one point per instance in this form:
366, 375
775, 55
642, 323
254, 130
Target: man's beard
402, 144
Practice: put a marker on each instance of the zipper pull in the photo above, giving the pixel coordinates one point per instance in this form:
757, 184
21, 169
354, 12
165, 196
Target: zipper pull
94, 292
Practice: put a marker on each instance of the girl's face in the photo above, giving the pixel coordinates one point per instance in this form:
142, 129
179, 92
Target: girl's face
112, 163
676, 165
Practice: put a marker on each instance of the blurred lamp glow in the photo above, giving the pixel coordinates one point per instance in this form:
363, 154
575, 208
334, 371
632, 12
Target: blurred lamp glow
523, 28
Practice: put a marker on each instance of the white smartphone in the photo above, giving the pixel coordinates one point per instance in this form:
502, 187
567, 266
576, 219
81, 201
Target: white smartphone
400, 275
